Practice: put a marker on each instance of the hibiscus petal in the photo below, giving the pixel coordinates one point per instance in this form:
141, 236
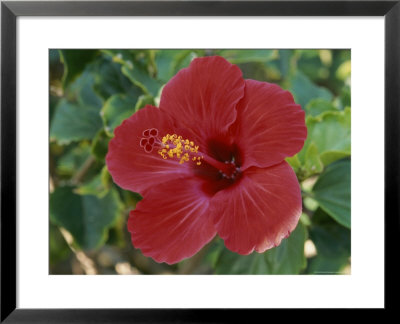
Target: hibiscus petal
269, 126
131, 167
203, 97
261, 209
172, 222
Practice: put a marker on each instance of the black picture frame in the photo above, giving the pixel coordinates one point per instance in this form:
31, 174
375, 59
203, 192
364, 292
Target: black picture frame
9, 13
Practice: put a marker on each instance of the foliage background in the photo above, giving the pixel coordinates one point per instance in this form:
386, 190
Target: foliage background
92, 91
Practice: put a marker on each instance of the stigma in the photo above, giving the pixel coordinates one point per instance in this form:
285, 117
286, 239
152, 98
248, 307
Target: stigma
171, 146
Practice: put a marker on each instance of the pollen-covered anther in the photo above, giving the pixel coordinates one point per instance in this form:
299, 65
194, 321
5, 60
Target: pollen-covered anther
175, 146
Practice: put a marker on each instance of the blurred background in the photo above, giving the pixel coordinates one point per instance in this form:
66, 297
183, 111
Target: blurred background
93, 91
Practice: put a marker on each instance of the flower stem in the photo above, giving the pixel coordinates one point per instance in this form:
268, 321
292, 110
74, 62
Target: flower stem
83, 170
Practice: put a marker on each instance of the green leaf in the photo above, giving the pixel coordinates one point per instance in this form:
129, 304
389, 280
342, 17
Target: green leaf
310, 203
93, 187
304, 90
333, 191
141, 78
98, 186
330, 238
311, 63
109, 80
328, 140
74, 123
344, 70
58, 249
52, 106
332, 242
294, 162
318, 106
285, 58
259, 71
136, 68
169, 62
332, 156
312, 159
100, 145
54, 56
86, 217
308, 53
305, 219
335, 81
72, 159
75, 62
106, 179
116, 109
143, 101
123, 56
81, 91
287, 258
331, 134
237, 56
344, 99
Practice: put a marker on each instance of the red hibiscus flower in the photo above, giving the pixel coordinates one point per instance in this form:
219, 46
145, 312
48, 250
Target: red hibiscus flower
210, 160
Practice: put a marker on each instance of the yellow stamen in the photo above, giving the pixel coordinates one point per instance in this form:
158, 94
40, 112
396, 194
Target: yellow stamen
174, 146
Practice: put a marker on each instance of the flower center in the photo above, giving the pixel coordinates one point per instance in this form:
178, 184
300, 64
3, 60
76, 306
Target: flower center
230, 171
173, 146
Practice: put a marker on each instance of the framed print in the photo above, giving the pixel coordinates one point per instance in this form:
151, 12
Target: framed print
181, 160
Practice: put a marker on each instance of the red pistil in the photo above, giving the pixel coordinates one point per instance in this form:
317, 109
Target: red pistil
228, 169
